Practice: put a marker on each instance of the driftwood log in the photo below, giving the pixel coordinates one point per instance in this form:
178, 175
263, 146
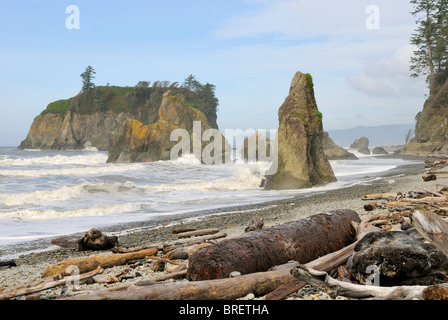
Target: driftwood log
93, 239
86, 264
303, 240
195, 233
325, 263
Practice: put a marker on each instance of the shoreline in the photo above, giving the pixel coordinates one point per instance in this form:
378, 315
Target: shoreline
232, 220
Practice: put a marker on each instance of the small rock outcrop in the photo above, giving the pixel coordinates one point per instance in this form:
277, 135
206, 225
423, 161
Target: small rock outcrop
335, 152
148, 143
360, 143
301, 162
365, 151
379, 150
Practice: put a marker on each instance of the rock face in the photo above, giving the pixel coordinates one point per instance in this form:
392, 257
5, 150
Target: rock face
148, 143
431, 131
333, 151
301, 160
360, 143
74, 131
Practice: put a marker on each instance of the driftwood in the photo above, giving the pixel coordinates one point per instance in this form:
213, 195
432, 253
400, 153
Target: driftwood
183, 229
325, 263
188, 242
8, 263
220, 289
334, 288
95, 240
370, 206
432, 227
436, 292
129, 250
92, 240
399, 257
87, 264
380, 196
47, 283
255, 225
185, 252
430, 177
196, 233
66, 242
303, 240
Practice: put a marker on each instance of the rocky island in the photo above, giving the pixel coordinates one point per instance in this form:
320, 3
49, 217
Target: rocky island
96, 114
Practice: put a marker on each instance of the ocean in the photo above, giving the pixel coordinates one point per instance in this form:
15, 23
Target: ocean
46, 194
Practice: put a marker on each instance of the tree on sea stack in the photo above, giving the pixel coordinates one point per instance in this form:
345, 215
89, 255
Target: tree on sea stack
87, 77
301, 162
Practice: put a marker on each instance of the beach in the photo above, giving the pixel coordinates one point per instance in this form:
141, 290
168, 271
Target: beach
231, 220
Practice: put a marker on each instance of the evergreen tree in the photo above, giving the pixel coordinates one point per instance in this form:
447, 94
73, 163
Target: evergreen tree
87, 77
430, 38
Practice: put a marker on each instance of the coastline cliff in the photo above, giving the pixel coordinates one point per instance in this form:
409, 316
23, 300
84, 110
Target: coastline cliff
431, 131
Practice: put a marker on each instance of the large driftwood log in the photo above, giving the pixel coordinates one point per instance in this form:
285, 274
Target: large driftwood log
325, 263
303, 240
220, 289
336, 288
86, 264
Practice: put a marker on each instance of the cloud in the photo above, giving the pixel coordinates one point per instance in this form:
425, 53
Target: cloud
304, 19
388, 77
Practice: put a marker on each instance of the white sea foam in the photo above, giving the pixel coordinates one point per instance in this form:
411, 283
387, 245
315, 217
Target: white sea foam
88, 159
83, 212
72, 171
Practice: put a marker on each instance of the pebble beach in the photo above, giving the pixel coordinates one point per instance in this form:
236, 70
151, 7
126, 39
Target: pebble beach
232, 221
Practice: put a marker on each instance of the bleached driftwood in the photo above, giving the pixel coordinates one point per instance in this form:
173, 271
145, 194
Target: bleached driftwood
47, 283
322, 280
86, 264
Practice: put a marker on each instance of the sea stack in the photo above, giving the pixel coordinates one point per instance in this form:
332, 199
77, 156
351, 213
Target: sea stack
301, 161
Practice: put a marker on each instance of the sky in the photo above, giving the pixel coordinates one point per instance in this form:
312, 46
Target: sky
357, 51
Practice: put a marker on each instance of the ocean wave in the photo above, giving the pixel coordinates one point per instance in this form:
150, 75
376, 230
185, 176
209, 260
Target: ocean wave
245, 177
88, 159
84, 212
72, 171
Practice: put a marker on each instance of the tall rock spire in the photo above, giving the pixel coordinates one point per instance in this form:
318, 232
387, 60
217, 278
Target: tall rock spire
301, 160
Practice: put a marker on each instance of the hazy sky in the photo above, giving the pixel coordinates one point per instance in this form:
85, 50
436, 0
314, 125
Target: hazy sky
250, 49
